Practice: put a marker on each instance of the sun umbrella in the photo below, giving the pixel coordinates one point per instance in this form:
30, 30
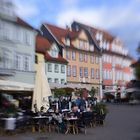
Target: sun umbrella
42, 89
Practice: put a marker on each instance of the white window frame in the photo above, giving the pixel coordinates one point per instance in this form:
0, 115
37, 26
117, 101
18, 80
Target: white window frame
26, 63
18, 61
62, 81
56, 68
62, 68
49, 80
73, 55
49, 67
56, 80
86, 72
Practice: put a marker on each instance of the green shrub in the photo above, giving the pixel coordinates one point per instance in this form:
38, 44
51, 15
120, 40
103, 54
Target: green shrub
101, 108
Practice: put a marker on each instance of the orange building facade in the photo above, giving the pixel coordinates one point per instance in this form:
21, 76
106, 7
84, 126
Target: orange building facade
116, 71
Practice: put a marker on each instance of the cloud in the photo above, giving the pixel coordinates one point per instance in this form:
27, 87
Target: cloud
26, 9
104, 16
122, 20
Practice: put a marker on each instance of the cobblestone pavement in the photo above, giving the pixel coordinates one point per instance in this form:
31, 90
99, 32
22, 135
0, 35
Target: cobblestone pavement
122, 123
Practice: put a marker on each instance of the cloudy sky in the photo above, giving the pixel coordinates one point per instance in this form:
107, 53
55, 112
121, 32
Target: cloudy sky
120, 17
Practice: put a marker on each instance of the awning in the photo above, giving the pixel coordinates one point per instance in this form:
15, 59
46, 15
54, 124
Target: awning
7, 85
109, 91
133, 89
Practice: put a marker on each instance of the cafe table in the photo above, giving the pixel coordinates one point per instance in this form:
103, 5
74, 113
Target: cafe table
71, 125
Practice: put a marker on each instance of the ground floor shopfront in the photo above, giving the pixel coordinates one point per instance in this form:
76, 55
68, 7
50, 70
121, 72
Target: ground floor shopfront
17, 93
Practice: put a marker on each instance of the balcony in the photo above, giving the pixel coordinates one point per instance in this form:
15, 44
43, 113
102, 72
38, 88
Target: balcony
7, 72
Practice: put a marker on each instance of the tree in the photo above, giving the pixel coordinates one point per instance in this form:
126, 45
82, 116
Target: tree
137, 70
58, 92
138, 48
137, 64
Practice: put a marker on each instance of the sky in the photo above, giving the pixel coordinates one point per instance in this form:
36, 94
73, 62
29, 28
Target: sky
120, 17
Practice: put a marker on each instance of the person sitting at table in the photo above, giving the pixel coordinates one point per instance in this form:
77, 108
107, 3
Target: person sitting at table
76, 111
59, 119
88, 109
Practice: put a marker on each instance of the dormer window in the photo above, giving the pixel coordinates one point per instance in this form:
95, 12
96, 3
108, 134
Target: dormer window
54, 51
104, 44
67, 41
107, 46
97, 36
77, 28
101, 44
91, 47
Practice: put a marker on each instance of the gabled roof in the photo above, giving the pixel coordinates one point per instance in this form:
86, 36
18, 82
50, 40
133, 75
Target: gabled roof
42, 44
21, 22
106, 35
59, 32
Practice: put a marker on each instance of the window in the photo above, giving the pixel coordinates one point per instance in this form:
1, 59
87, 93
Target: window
67, 41
26, 64
62, 69
62, 81
85, 57
67, 54
91, 47
91, 58
80, 44
73, 55
54, 52
85, 45
105, 74
86, 72
49, 80
56, 68
97, 73
27, 38
36, 59
7, 60
97, 59
49, 67
18, 62
6, 33
1, 29
80, 57
68, 70
56, 80
108, 76
74, 71
92, 72
81, 72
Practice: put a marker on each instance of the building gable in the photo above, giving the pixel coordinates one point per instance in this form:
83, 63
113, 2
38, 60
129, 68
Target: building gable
54, 50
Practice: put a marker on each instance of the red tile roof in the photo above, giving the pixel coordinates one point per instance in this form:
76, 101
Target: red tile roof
24, 24
61, 32
60, 59
43, 45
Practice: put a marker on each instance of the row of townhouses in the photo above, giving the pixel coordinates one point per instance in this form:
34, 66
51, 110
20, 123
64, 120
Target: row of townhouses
79, 56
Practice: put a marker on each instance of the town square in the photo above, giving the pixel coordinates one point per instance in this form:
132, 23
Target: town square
69, 70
